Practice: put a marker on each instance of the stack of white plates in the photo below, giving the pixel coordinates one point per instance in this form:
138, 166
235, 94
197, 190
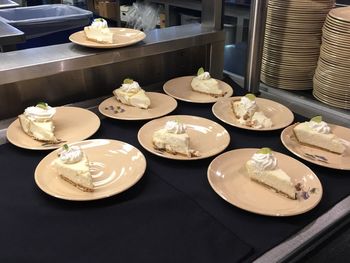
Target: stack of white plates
332, 75
292, 42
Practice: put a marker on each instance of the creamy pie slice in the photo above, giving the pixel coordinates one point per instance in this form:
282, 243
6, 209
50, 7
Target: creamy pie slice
36, 121
318, 133
247, 112
99, 32
204, 83
173, 139
130, 93
73, 166
263, 168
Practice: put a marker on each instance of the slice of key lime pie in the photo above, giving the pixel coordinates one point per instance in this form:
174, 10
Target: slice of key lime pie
36, 121
173, 139
318, 133
263, 168
247, 112
204, 83
99, 32
73, 166
130, 93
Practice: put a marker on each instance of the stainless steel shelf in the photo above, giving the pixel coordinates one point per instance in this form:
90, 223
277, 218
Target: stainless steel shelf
40, 62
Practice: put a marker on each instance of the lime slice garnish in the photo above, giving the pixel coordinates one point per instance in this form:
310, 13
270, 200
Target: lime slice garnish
42, 105
250, 96
128, 81
265, 150
200, 71
317, 119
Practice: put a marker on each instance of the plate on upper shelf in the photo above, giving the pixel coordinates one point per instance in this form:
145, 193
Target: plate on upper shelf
316, 155
71, 124
115, 167
161, 104
206, 136
229, 179
180, 88
125, 37
280, 115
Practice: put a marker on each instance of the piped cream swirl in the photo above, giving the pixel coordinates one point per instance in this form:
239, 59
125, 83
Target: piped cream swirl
99, 23
133, 87
71, 155
249, 105
39, 114
175, 127
264, 161
321, 127
204, 76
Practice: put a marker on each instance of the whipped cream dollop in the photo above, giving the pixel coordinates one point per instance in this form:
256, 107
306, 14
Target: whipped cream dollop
321, 127
99, 23
39, 113
133, 87
175, 127
264, 161
249, 105
205, 75
71, 155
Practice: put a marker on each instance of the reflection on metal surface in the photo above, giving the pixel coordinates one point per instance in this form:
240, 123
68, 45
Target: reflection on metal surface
255, 43
68, 73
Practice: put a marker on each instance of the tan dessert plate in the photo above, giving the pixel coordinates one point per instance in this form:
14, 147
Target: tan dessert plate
180, 88
161, 105
71, 124
280, 115
206, 136
229, 179
125, 37
316, 155
115, 167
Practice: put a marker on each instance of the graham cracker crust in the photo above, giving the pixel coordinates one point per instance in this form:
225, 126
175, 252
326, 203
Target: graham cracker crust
192, 153
276, 190
210, 94
83, 188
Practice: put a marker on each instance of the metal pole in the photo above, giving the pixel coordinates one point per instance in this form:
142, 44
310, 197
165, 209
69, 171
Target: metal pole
258, 10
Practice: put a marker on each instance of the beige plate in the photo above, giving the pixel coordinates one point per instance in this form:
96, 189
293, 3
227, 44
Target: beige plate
334, 160
125, 37
206, 136
280, 115
115, 167
71, 124
161, 105
180, 88
229, 179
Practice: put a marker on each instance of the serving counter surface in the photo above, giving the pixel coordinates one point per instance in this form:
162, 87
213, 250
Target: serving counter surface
170, 215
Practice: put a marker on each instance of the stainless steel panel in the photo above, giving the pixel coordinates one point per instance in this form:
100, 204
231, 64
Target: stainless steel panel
41, 62
257, 21
78, 85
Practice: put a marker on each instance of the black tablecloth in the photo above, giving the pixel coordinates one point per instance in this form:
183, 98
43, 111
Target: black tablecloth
170, 215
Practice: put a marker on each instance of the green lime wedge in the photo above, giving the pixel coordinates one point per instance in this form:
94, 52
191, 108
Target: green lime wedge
250, 96
42, 105
200, 71
265, 150
317, 119
128, 81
